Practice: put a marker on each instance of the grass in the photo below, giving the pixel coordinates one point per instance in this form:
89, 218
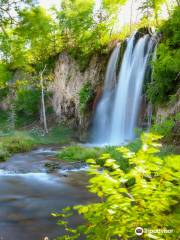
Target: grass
23, 141
82, 153
57, 135
4, 154
79, 153
14, 143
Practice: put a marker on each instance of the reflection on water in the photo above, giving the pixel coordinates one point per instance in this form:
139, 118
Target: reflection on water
28, 195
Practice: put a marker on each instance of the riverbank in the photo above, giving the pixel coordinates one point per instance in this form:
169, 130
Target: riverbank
83, 152
25, 140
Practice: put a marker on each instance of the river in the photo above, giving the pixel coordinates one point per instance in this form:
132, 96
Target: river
29, 194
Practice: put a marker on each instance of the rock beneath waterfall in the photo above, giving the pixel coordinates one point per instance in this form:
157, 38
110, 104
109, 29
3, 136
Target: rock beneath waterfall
67, 85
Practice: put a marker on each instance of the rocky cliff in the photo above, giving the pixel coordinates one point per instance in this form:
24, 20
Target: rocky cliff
68, 83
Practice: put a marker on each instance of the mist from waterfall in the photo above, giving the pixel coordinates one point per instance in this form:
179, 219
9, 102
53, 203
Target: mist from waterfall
117, 112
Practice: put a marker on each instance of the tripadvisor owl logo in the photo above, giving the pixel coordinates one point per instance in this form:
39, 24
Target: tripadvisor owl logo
139, 231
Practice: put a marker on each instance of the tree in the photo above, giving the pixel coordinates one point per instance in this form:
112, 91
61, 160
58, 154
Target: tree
84, 30
38, 31
32, 44
42, 101
9, 10
76, 23
167, 63
151, 9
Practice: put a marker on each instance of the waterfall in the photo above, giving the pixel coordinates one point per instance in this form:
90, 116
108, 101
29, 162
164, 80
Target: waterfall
100, 130
117, 112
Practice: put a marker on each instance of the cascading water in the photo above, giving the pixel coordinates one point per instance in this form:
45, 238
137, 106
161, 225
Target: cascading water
117, 112
128, 93
101, 119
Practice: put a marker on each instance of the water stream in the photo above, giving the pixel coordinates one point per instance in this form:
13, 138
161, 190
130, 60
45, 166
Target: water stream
28, 195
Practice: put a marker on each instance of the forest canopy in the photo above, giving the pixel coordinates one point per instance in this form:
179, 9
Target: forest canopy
31, 37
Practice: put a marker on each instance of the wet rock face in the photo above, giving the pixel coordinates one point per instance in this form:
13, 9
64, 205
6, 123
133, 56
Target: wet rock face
67, 85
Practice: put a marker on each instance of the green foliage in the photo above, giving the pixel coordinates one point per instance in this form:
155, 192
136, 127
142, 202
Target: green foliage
164, 128
76, 22
84, 31
22, 141
3, 120
146, 196
4, 154
10, 9
177, 117
56, 135
5, 75
18, 143
168, 149
85, 95
81, 153
167, 64
39, 35
112, 5
151, 9
78, 153
169, 129
14, 143
31, 43
27, 104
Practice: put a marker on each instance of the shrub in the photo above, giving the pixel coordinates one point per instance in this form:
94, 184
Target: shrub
146, 196
167, 63
27, 105
85, 96
164, 128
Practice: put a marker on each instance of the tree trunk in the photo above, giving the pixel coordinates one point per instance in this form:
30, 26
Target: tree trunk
43, 102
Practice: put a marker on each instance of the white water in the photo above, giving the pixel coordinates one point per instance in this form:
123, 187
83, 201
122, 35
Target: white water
101, 120
116, 116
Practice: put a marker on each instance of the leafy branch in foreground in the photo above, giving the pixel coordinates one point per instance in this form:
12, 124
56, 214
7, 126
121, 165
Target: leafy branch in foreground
146, 196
